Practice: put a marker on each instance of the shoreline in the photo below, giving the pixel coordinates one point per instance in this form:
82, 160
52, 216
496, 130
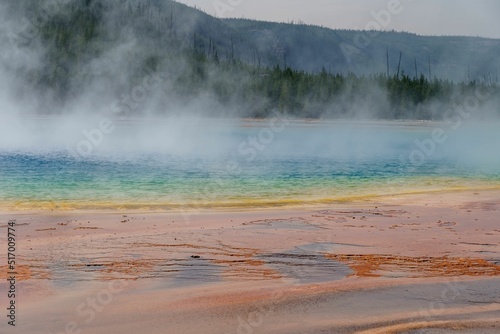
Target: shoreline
295, 204
388, 266
401, 198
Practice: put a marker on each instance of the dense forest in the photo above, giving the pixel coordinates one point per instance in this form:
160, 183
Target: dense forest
110, 46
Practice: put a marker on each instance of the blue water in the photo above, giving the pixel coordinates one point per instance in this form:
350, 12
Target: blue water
304, 163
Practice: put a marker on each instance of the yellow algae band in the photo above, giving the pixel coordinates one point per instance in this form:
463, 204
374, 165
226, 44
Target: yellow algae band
221, 203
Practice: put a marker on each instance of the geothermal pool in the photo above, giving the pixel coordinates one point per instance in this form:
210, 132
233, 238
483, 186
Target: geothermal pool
214, 164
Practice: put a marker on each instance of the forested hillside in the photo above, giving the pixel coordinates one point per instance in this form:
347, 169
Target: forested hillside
244, 67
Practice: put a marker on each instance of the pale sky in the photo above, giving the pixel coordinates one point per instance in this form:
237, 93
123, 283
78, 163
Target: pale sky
425, 17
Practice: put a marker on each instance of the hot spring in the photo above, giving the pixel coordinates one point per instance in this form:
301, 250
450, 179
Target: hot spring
198, 163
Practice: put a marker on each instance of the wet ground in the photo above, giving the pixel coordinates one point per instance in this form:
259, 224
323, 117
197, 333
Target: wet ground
428, 267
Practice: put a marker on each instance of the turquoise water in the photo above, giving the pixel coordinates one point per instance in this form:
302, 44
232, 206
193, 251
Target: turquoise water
302, 163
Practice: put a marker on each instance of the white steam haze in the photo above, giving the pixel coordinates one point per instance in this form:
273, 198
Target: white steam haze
30, 122
62, 127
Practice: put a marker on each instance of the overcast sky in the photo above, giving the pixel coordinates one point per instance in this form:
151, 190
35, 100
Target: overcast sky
426, 17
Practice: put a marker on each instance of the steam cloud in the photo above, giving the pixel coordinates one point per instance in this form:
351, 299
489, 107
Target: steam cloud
147, 117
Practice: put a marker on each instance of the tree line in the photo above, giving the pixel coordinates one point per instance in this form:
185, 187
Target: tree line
85, 30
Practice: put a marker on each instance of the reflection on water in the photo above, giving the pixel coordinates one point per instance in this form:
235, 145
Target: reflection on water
304, 268
194, 271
